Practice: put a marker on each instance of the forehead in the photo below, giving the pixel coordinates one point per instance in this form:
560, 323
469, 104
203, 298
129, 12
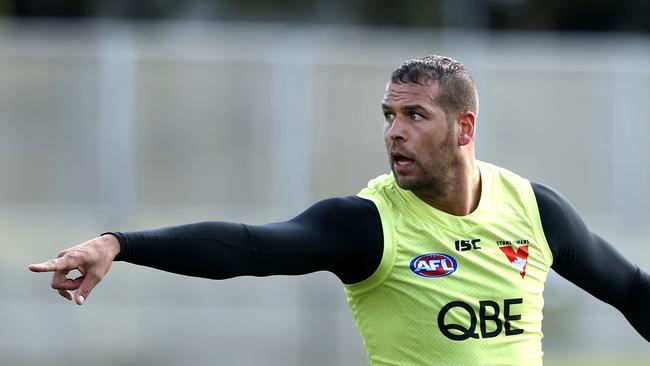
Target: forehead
411, 93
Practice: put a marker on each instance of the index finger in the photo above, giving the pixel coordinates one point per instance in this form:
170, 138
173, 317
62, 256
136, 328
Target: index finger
57, 264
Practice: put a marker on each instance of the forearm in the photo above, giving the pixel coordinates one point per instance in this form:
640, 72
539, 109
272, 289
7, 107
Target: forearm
636, 307
597, 267
215, 250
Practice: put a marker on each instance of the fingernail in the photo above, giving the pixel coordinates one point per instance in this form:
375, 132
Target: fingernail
81, 300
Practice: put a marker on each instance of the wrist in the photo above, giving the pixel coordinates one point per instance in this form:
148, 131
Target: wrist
111, 243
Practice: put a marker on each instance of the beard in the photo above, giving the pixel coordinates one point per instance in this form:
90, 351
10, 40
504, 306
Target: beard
433, 178
429, 184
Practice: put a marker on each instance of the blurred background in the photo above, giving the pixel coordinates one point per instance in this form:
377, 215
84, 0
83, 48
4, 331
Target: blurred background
129, 115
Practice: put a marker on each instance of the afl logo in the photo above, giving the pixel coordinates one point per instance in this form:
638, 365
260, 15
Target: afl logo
434, 265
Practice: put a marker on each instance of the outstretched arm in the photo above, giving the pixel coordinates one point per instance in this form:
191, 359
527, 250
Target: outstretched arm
340, 235
591, 263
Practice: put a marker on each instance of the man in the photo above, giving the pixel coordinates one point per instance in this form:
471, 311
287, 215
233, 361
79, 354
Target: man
444, 260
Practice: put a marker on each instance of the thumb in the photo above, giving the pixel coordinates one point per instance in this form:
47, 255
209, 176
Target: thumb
87, 285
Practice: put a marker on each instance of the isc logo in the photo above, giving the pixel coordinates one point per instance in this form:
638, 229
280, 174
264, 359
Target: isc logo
434, 265
464, 245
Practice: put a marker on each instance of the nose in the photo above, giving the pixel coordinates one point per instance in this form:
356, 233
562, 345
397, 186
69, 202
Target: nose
396, 130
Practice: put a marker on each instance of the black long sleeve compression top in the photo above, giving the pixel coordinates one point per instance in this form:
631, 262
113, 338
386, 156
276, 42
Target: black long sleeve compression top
344, 236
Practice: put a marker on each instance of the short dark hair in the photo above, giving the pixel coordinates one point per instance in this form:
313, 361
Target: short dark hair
457, 89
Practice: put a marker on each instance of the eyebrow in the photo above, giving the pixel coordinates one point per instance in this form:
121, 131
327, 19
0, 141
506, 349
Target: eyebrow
410, 107
414, 108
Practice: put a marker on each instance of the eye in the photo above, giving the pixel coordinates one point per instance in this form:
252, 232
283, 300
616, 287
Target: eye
389, 117
415, 116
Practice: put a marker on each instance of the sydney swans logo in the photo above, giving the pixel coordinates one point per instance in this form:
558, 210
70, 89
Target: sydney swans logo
518, 259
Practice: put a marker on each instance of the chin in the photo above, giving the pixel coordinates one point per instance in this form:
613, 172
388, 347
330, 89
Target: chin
404, 182
407, 182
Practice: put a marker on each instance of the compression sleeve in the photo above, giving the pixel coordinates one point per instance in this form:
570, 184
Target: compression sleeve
340, 235
591, 263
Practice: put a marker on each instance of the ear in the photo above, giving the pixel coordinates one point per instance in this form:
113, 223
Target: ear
467, 124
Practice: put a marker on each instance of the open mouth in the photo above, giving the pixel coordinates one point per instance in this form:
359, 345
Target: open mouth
401, 160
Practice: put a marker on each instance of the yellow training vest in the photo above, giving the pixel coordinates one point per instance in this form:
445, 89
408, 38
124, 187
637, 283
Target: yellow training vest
455, 290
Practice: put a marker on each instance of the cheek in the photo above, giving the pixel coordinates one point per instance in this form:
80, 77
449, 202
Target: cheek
429, 146
386, 137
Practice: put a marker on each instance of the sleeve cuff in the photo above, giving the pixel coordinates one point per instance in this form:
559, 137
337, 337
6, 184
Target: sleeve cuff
121, 238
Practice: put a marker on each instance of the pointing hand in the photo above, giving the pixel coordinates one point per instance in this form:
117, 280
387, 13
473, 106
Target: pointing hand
92, 259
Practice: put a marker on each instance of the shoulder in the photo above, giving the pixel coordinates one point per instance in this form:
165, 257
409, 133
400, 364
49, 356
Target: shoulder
379, 184
341, 211
561, 221
348, 203
384, 192
504, 180
548, 199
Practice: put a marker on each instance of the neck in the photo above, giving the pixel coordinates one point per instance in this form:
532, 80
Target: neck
463, 191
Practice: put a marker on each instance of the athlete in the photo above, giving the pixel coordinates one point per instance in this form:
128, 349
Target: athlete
443, 260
